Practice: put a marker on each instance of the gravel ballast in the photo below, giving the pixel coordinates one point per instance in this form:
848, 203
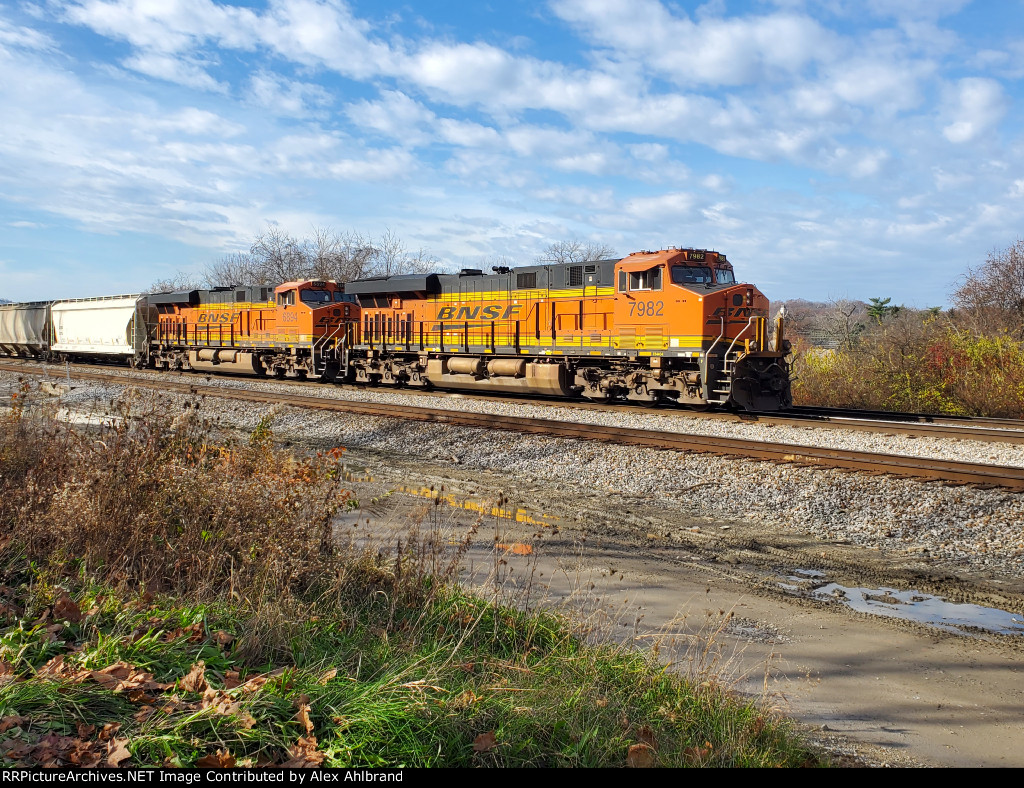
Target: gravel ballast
963, 450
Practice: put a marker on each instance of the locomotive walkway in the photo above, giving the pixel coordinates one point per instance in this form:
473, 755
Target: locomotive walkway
950, 472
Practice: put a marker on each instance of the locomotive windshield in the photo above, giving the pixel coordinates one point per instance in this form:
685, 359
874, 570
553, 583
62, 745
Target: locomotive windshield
725, 276
315, 297
691, 275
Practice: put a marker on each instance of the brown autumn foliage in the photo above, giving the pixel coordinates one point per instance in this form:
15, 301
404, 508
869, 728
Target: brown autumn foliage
154, 501
990, 298
966, 361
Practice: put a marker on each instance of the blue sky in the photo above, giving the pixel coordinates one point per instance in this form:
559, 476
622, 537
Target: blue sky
832, 148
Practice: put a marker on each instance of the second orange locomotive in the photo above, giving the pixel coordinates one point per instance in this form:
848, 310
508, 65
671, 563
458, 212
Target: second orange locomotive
298, 329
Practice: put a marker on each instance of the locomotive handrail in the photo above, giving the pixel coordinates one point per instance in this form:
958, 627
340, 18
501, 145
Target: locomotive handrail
706, 353
750, 320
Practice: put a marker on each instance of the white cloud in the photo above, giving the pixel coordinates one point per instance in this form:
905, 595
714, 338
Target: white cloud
182, 70
712, 51
394, 114
23, 37
915, 9
467, 134
977, 105
285, 97
649, 151
601, 199
673, 205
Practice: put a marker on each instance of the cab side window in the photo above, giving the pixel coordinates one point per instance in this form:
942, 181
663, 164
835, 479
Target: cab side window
286, 299
645, 280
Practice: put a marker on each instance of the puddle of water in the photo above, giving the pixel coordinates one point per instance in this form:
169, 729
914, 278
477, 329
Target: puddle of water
933, 611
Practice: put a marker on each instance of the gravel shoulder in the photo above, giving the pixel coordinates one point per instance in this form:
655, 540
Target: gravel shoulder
666, 537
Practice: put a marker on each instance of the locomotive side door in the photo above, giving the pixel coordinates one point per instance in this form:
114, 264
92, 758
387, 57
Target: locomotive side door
641, 310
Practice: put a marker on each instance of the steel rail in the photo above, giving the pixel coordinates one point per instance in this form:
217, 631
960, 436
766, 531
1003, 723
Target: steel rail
916, 424
869, 462
812, 411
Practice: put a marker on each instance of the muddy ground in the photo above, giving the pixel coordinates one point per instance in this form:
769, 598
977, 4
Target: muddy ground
737, 601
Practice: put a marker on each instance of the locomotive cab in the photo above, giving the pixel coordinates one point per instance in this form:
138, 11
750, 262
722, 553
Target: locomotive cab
706, 334
319, 315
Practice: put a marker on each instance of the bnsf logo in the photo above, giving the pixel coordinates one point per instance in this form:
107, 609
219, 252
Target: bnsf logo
219, 317
483, 313
736, 313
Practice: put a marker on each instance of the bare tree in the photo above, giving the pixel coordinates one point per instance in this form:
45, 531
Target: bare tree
279, 257
276, 256
240, 268
842, 323
575, 251
180, 281
990, 299
338, 256
392, 258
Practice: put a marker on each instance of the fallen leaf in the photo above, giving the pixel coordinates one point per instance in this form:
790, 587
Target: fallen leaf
485, 742
12, 721
696, 755
327, 675
140, 696
66, 609
601, 702
195, 681
305, 755
646, 736
516, 548
13, 748
302, 715
112, 676
108, 730
85, 731
85, 755
144, 713
117, 752
222, 638
55, 668
231, 680
244, 719
222, 760
49, 634
640, 756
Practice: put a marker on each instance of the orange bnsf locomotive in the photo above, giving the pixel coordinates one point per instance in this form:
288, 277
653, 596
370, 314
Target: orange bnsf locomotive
667, 326
672, 325
298, 329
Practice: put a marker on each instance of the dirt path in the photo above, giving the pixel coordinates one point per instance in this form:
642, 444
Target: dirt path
881, 690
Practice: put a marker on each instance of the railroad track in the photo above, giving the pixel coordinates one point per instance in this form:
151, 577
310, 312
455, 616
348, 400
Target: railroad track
867, 462
910, 418
916, 424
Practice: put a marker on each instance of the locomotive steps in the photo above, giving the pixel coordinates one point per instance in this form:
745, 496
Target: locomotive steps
948, 471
